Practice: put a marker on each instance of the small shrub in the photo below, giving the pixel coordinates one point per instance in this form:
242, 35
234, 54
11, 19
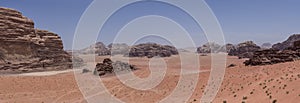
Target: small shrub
245, 97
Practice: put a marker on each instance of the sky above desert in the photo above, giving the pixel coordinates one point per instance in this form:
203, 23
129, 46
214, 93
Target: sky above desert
258, 20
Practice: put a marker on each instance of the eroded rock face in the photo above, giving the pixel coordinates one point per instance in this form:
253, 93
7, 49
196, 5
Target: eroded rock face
108, 66
24, 48
273, 56
152, 49
288, 43
244, 50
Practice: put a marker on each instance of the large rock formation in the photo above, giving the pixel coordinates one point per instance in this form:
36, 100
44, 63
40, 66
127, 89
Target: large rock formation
244, 50
209, 48
273, 56
25, 49
227, 48
118, 48
152, 49
288, 43
108, 66
98, 48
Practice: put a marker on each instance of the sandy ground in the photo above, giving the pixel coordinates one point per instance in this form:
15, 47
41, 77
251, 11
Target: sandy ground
256, 84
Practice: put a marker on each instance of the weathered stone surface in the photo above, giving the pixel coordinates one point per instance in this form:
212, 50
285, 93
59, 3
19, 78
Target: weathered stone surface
244, 50
24, 48
108, 66
98, 48
288, 43
273, 56
152, 49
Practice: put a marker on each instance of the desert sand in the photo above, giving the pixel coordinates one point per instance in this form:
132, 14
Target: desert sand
251, 84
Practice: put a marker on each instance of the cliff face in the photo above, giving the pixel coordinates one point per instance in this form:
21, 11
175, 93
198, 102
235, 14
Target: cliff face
24, 48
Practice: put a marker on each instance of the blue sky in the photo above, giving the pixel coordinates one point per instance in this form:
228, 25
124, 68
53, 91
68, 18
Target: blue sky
259, 20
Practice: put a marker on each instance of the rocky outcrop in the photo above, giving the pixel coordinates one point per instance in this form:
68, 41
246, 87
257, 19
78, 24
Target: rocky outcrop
25, 49
97, 48
209, 48
108, 66
273, 56
244, 50
152, 49
266, 46
118, 48
288, 43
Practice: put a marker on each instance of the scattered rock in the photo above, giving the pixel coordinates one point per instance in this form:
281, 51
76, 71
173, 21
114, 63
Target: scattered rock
231, 65
85, 70
108, 66
151, 50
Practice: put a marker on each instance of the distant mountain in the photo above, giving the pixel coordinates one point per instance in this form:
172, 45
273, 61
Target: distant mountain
266, 45
118, 48
288, 43
98, 48
209, 48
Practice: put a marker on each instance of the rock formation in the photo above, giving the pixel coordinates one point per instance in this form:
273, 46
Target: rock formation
227, 48
244, 50
97, 48
288, 43
152, 49
209, 48
273, 56
25, 49
118, 48
108, 66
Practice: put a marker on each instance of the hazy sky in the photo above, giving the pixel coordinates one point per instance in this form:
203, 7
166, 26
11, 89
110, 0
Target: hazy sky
259, 20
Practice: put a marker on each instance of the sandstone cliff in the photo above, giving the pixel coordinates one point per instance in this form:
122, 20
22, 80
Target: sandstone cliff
26, 49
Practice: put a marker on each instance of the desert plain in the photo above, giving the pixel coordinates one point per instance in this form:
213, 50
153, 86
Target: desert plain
278, 83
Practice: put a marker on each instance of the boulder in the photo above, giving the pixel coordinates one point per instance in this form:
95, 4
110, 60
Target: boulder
108, 66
